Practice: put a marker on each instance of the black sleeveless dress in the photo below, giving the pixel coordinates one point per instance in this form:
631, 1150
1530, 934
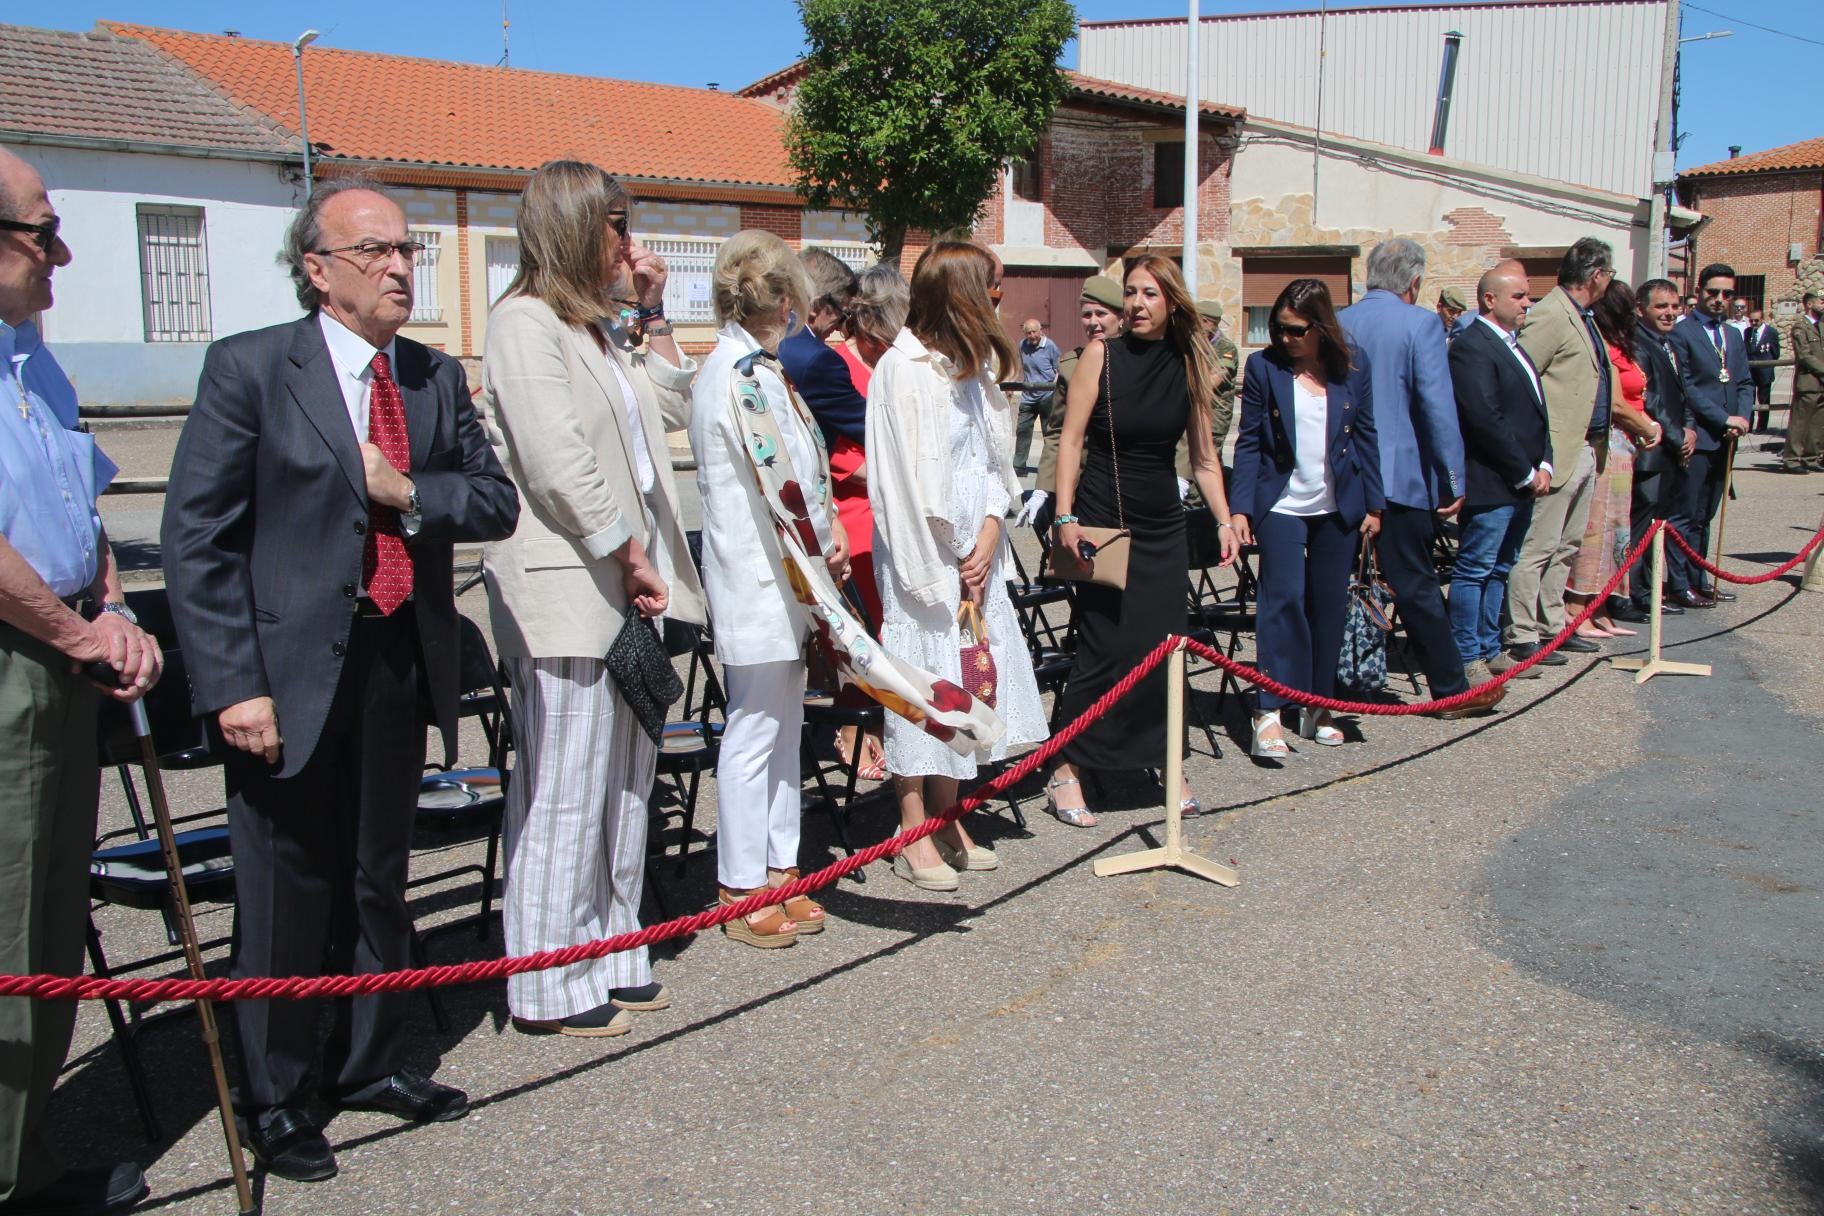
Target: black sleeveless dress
1115, 629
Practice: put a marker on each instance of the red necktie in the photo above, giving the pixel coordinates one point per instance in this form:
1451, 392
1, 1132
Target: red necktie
386, 564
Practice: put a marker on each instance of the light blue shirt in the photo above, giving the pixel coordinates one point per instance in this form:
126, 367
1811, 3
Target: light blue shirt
50, 473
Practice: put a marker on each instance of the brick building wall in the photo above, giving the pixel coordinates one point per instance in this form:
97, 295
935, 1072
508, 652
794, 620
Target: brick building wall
1755, 219
788, 222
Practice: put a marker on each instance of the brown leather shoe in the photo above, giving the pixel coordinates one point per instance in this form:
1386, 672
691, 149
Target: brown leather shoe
1482, 703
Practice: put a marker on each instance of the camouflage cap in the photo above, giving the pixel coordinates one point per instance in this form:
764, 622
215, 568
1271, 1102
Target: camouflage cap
1450, 297
1210, 308
1104, 291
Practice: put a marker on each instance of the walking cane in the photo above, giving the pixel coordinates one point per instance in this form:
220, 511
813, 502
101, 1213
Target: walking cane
186, 926
1722, 517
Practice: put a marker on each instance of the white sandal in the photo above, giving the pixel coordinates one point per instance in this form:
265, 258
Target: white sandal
1269, 749
1318, 726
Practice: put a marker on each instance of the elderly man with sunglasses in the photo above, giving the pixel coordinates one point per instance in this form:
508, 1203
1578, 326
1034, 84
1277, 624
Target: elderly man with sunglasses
60, 606
324, 473
1720, 387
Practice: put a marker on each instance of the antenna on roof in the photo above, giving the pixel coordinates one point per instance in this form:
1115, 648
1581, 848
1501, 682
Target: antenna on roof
505, 51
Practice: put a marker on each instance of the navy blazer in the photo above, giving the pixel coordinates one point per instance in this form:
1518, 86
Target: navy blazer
1265, 445
1665, 399
822, 379
1713, 403
1507, 433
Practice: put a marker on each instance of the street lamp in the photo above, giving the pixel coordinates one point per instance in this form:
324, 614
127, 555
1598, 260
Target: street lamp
297, 54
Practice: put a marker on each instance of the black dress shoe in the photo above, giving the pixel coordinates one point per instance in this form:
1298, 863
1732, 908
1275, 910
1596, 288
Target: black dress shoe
1690, 599
409, 1096
1718, 595
289, 1145
90, 1192
1629, 611
1668, 608
1525, 650
1577, 645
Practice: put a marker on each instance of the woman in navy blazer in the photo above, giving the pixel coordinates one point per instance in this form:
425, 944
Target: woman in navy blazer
1307, 480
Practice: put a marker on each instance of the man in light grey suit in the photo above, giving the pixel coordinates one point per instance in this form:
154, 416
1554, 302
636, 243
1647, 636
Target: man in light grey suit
1415, 414
321, 479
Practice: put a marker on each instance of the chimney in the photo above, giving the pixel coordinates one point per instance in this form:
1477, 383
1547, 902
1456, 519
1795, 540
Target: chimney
1447, 81
1735, 150
714, 86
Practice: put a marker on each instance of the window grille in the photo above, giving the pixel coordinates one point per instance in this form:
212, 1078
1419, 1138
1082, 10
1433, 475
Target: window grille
856, 255
427, 305
690, 265
503, 265
174, 274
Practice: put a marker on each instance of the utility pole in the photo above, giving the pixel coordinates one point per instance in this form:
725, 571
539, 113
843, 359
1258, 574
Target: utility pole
1191, 131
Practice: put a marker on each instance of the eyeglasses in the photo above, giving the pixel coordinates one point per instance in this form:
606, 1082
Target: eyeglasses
1294, 331
617, 220
369, 252
1726, 293
43, 235
994, 293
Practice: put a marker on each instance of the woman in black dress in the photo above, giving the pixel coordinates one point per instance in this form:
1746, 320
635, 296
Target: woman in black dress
1163, 375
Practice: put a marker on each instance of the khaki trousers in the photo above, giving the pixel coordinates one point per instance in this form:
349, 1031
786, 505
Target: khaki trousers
1535, 588
1805, 432
47, 829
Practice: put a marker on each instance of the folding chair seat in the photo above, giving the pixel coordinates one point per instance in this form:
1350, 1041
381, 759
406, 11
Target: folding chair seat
1212, 616
1031, 597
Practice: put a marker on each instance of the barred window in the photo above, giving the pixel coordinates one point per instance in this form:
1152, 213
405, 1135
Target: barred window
427, 305
174, 273
503, 265
690, 266
856, 255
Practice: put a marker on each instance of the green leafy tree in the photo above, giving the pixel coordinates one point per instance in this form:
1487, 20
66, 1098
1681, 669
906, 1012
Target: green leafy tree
910, 107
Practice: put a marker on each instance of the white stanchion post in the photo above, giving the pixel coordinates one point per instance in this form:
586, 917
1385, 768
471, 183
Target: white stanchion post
1653, 665
1813, 581
1174, 855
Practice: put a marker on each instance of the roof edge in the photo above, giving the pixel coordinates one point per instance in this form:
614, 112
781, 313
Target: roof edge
150, 147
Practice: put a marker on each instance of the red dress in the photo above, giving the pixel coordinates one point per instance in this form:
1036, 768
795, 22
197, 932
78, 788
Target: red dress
846, 458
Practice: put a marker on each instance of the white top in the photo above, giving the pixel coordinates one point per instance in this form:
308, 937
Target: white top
1309, 491
630, 402
353, 359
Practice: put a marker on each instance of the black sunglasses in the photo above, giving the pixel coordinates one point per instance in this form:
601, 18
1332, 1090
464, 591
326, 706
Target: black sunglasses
43, 235
1294, 331
1725, 293
617, 220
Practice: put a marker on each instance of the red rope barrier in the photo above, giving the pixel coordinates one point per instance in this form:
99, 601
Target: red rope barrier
1745, 579
94, 988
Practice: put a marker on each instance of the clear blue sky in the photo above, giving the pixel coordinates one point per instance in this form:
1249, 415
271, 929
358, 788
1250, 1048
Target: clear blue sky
1756, 88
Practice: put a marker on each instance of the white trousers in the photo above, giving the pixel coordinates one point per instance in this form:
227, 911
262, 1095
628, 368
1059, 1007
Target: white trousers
757, 803
575, 832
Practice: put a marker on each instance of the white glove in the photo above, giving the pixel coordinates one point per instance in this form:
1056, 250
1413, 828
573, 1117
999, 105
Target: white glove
1184, 489
1035, 502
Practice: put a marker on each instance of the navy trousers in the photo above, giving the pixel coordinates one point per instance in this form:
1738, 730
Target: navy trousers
1305, 561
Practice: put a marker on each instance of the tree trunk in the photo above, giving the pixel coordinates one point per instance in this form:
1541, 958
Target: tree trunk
892, 242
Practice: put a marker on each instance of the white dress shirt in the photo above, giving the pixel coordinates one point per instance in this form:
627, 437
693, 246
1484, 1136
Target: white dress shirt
353, 358
642, 454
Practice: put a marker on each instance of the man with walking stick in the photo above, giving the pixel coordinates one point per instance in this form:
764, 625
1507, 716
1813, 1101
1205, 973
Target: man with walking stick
1718, 384
61, 608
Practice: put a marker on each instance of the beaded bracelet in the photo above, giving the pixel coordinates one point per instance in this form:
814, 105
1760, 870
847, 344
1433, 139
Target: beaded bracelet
1058, 521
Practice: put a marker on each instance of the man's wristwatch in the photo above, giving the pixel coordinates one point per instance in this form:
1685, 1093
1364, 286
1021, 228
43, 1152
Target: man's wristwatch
662, 329
122, 611
413, 507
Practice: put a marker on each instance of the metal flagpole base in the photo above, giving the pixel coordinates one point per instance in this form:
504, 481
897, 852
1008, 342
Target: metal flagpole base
1653, 665
1174, 854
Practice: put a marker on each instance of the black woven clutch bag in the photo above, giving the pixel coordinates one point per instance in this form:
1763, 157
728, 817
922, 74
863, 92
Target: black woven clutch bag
643, 672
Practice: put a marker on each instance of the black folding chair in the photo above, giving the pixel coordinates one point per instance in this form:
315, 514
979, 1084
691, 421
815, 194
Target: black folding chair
691, 745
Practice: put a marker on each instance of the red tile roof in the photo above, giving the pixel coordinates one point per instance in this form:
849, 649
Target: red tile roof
99, 87
376, 107
1806, 154
1090, 88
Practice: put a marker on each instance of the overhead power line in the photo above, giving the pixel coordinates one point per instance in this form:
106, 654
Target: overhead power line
1765, 29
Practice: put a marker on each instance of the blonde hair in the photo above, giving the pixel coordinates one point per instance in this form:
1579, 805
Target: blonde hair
563, 226
755, 272
878, 308
952, 312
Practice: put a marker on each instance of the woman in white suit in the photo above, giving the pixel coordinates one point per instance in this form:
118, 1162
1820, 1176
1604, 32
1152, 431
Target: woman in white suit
577, 409
760, 294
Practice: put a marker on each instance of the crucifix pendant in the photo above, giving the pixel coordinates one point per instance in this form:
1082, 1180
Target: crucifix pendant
25, 410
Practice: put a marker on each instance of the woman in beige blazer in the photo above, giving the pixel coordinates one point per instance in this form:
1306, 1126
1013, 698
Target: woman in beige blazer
577, 411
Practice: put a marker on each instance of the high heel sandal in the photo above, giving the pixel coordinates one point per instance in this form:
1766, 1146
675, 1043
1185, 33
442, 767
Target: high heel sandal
1075, 816
801, 910
1317, 726
770, 932
1269, 749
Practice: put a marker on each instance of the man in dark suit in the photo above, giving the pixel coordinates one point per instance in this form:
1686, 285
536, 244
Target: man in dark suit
1507, 453
1763, 342
1656, 468
324, 471
1714, 363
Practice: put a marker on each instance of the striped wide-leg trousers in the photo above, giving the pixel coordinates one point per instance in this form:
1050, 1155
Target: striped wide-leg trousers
575, 832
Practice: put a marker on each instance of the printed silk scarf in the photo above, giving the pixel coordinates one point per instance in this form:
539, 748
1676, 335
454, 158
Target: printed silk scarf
941, 708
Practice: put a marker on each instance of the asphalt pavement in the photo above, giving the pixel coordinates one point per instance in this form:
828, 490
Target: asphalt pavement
1561, 959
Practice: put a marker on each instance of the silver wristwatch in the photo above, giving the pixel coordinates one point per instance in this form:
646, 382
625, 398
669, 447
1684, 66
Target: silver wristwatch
121, 610
413, 507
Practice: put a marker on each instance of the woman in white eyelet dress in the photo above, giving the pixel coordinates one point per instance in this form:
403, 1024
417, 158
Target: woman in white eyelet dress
941, 483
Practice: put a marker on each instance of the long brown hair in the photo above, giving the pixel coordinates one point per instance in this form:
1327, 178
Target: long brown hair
1184, 330
1615, 315
951, 310
563, 225
1310, 299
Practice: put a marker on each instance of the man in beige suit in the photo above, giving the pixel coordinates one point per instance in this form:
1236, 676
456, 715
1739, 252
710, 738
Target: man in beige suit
1561, 339
1805, 433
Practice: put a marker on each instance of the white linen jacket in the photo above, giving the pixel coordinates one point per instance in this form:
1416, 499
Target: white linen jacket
910, 399
555, 414
756, 617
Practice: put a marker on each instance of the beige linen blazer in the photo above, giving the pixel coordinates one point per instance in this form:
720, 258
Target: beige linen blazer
554, 413
1555, 338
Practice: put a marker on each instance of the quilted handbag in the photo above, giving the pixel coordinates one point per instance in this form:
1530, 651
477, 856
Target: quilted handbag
1362, 665
980, 677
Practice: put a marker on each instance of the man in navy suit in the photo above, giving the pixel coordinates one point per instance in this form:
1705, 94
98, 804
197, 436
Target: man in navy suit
321, 480
1763, 347
1656, 469
1720, 388
1421, 452
1507, 451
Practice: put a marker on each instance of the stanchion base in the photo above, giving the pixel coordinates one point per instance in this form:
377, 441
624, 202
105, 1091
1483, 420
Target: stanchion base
1648, 668
1168, 858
